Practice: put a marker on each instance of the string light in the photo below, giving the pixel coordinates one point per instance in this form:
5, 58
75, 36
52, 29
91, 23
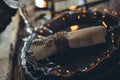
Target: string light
108, 51
59, 70
78, 17
74, 28
95, 13
63, 19
104, 24
103, 16
105, 10
98, 59
67, 71
44, 28
72, 7
113, 41
95, 9
39, 36
112, 34
86, 68
41, 31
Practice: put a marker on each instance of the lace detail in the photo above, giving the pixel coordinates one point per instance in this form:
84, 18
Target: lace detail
61, 41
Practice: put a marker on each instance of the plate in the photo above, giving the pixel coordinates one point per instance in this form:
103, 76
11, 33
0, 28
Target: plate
78, 62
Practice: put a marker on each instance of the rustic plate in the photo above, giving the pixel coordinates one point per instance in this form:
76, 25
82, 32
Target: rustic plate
75, 63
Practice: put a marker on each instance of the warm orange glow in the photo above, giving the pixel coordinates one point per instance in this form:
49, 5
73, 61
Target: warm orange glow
41, 31
106, 10
98, 59
72, 7
115, 13
78, 17
67, 71
104, 24
74, 28
45, 4
95, 9
40, 3
84, 11
103, 16
58, 74
39, 36
44, 28
112, 12
95, 13
86, 68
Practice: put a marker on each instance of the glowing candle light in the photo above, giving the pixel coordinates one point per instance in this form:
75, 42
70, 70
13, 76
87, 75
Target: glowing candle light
67, 71
84, 11
78, 17
39, 36
104, 24
103, 16
86, 68
112, 34
113, 41
58, 74
41, 31
74, 28
72, 7
106, 10
95, 9
95, 13
44, 28
115, 13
